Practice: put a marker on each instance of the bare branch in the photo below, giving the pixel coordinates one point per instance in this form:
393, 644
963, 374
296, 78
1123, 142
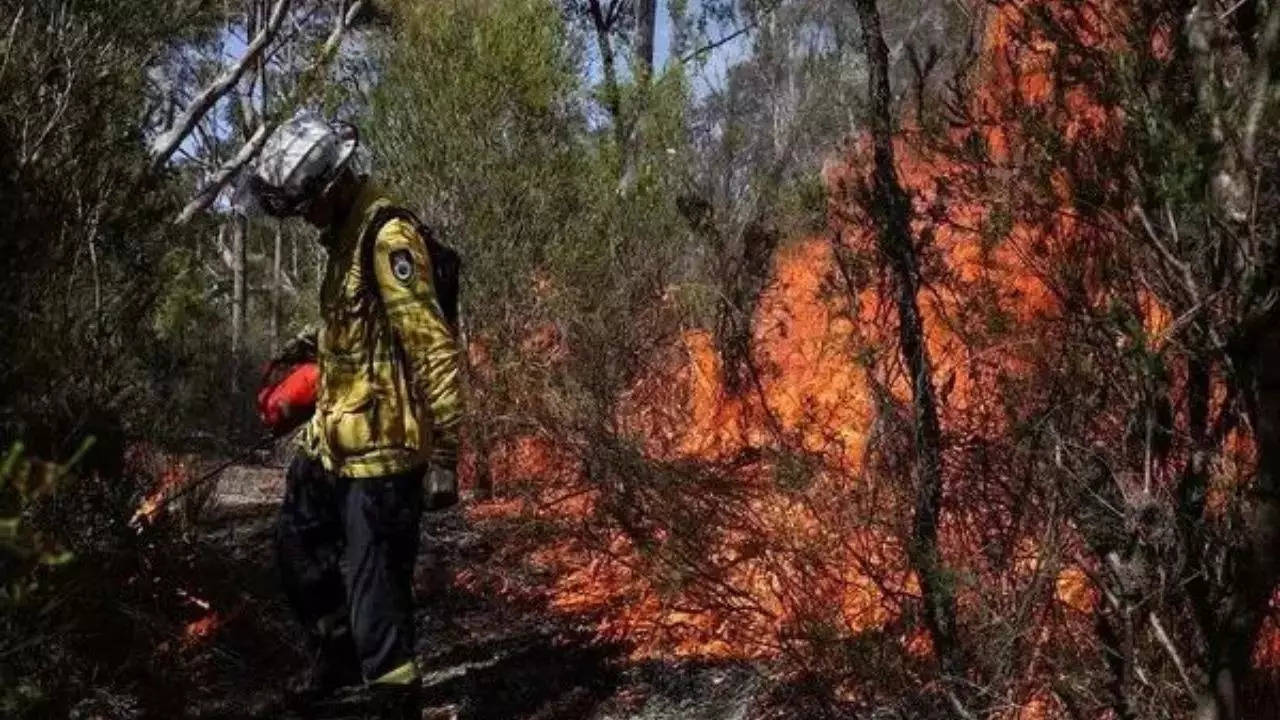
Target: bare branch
167, 142
207, 194
726, 39
1167, 643
1202, 32
714, 44
1188, 280
340, 27
8, 44
958, 707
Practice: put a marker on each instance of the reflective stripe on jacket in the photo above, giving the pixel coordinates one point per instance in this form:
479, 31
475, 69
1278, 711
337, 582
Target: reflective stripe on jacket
389, 397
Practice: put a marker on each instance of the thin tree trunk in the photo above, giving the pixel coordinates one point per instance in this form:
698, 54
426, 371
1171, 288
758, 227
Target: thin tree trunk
1255, 562
642, 44
277, 280
97, 282
1191, 492
476, 432
1115, 630
239, 297
484, 476
891, 209
248, 111
602, 21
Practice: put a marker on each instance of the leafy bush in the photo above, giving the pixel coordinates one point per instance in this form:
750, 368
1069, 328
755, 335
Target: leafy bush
30, 555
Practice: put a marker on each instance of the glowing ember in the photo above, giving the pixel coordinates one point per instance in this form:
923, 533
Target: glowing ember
198, 630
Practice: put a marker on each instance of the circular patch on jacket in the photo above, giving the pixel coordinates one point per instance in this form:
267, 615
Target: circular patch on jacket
402, 266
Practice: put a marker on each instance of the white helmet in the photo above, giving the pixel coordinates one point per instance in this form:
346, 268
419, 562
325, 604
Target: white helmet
297, 164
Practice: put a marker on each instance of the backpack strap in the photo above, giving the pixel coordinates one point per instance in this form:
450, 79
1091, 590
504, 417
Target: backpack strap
446, 263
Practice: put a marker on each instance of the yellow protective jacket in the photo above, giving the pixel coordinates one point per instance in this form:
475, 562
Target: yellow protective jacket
389, 398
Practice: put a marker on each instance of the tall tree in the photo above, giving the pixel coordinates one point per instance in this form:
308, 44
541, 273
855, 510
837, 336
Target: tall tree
605, 19
642, 70
890, 206
239, 295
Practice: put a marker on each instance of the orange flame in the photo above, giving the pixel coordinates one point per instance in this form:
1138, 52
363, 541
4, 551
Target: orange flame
170, 473
813, 554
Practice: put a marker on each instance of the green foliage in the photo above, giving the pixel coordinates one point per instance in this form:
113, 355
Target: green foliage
82, 226
480, 122
995, 226
29, 555
792, 474
25, 549
473, 123
182, 306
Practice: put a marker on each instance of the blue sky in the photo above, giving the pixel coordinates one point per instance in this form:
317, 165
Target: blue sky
715, 65
709, 76
705, 76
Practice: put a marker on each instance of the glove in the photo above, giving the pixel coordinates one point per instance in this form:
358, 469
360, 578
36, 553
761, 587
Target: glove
440, 488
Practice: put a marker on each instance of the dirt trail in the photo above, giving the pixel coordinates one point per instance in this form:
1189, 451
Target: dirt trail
483, 657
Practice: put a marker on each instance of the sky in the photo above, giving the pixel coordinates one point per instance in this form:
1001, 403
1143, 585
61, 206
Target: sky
708, 75
712, 74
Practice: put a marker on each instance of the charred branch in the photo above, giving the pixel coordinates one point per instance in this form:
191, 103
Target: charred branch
890, 208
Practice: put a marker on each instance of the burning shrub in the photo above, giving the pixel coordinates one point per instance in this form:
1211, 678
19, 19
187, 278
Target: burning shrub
93, 612
1096, 438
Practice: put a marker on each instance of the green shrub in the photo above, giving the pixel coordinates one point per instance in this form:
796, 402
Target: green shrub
30, 557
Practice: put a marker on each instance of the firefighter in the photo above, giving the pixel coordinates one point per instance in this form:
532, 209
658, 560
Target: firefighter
386, 418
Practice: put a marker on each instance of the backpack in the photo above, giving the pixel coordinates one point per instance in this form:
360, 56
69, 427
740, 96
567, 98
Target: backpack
446, 264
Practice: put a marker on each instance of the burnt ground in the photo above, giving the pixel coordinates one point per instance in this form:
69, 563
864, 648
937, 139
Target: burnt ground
484, 656
186, 620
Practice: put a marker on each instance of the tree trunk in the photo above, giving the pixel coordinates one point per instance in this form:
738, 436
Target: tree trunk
277, 279
248, 110
643, 43
97, 284
480, 453
891, 210
1255, 561
239, 296
744, 280
602, 22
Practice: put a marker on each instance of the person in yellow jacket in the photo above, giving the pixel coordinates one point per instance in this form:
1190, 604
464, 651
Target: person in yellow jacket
386, 417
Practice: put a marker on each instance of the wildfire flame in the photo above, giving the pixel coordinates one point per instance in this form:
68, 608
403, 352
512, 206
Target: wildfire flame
170, 473
813, 333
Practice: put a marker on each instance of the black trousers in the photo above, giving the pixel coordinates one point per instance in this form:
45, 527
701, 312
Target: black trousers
346, 550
